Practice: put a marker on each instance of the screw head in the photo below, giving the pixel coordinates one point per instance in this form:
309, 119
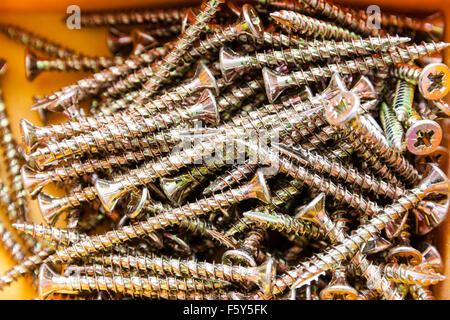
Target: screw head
342, 108
31, 69
423, 137
3, 66
434, 81
253, 22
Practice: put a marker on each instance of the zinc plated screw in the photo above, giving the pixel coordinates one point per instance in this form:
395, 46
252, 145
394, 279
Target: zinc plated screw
39, 43
311, 27
248, 250
150, 286
307, 271
249, 25
256, 188
166, 266
133, 17
284, 223
233, 64
410, 275
182, 45
340, 15
87, 87
392, 127
34, 65
276, 83
205, 229
402, 99
348, 119
339, 192
433, 81
178, 188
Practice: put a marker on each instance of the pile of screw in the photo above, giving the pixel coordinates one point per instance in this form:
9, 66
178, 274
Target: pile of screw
334, 124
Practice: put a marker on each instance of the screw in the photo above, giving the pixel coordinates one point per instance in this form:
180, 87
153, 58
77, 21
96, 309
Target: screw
319, 263
203, 79
35, 65
432, 81
203, 228
423, 135
50, 282
233, 64
276, 83
392, 127
311, 27
247, 251
142, 16
339, 288
256, 188
411, 275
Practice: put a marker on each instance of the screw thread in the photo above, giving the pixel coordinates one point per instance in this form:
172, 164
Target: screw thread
411, 275
392, 127
312, 27
286, 224
322, 50
403, 99
340, 15
179, 268
32, 40
406, 71
78, 63
146, 16
109, 239
378, 143
142, 286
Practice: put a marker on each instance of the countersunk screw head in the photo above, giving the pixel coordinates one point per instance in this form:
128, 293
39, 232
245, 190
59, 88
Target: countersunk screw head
434, 81
423, 137
249, 20
347, 108
51, 207
33, 181
137, 202
31, 69
29, 136
339, 287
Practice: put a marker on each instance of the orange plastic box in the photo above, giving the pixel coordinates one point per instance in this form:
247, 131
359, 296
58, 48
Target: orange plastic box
45, 18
